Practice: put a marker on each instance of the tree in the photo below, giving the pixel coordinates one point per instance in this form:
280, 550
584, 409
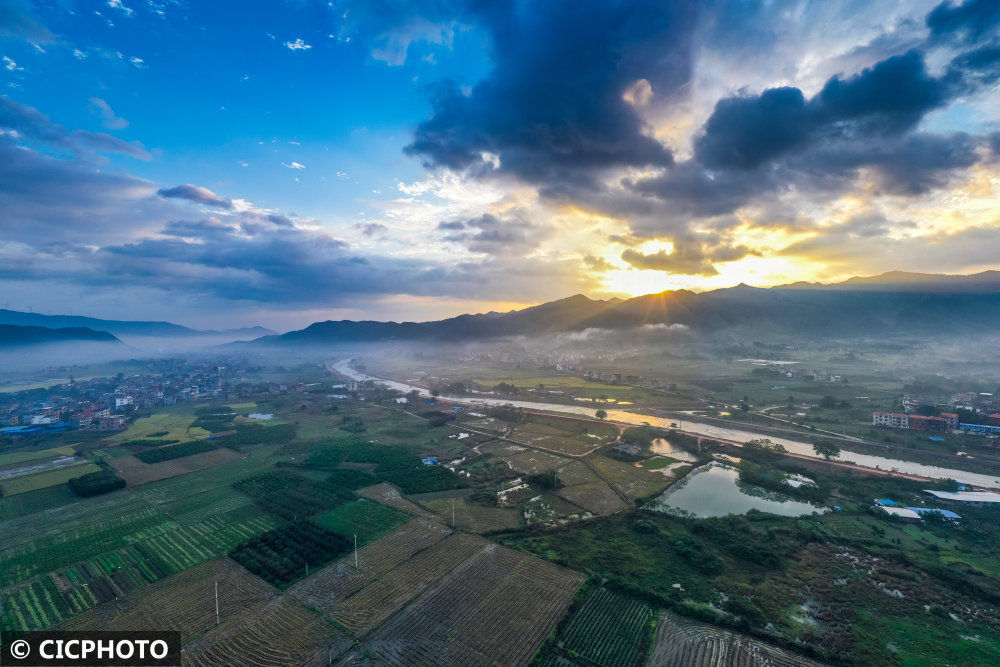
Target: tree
601, 414
826, 449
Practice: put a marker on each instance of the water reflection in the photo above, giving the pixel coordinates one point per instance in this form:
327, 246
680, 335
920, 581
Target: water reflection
715, 490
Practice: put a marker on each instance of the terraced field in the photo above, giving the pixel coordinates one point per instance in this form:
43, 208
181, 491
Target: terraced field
496, 608
682, 642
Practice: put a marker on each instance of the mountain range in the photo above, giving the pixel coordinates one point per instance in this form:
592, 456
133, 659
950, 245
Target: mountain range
17, 336
121, 328
894, 303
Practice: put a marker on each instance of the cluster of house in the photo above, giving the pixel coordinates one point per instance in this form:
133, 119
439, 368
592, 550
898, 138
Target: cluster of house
628, 379
104, 404
947, 421
984, 404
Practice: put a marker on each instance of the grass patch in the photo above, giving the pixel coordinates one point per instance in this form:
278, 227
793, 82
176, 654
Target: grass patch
26, 483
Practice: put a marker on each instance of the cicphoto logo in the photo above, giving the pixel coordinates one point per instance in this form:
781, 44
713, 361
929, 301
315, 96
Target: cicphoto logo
90, 648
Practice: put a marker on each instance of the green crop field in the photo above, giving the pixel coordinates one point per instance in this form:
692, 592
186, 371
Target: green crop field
12, 458
176, 421
607, 629
364, 518
41, 480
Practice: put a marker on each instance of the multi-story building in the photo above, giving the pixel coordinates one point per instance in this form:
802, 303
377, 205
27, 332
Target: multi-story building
891, 419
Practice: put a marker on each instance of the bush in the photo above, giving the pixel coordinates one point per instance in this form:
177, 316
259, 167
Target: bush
351, 479
282, 555
425, 479
96, 483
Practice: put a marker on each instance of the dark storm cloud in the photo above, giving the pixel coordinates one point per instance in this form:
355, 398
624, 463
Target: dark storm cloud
755, 147
197, 194
34, 126
964, 22
891, 97
552, 109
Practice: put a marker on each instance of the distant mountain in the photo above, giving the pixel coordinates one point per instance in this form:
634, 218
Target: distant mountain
17, 336
119, 327
892, 304
903, 281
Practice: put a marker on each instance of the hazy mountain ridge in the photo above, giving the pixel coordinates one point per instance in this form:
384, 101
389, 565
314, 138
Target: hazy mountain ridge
857, 307
16, 336
118, 327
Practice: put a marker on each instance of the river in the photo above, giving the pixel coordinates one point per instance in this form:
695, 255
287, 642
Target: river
691, 425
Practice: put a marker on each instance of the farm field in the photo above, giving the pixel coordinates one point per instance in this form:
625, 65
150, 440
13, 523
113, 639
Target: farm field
386, 594
596, 497
563, 435
607, 629
474, 518
390, 495
524, 459
632, 481
682, 642
12, 458
184, 602
151, 554
280, 634
339, 580
175, 420
35, 501
137, 472
42, 480
495, 608
364, 518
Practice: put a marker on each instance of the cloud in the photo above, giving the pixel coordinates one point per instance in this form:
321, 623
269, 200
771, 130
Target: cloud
968, 21
298, 45
32, 125
108, 117
293, 165
197, 194
553, 109
690, 258
17, 20
372, 229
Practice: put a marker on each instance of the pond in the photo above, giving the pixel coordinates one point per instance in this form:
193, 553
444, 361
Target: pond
664, 447
715, 490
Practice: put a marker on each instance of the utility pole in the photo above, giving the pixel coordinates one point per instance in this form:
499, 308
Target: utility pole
452, 513
217, 603
355, 550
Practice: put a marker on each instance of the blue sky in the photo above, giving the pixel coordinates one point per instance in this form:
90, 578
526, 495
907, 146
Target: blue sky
223, 164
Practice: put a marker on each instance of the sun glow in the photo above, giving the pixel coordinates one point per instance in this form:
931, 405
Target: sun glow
756, 271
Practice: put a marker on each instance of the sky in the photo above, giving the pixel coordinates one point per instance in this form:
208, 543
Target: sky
222, 164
